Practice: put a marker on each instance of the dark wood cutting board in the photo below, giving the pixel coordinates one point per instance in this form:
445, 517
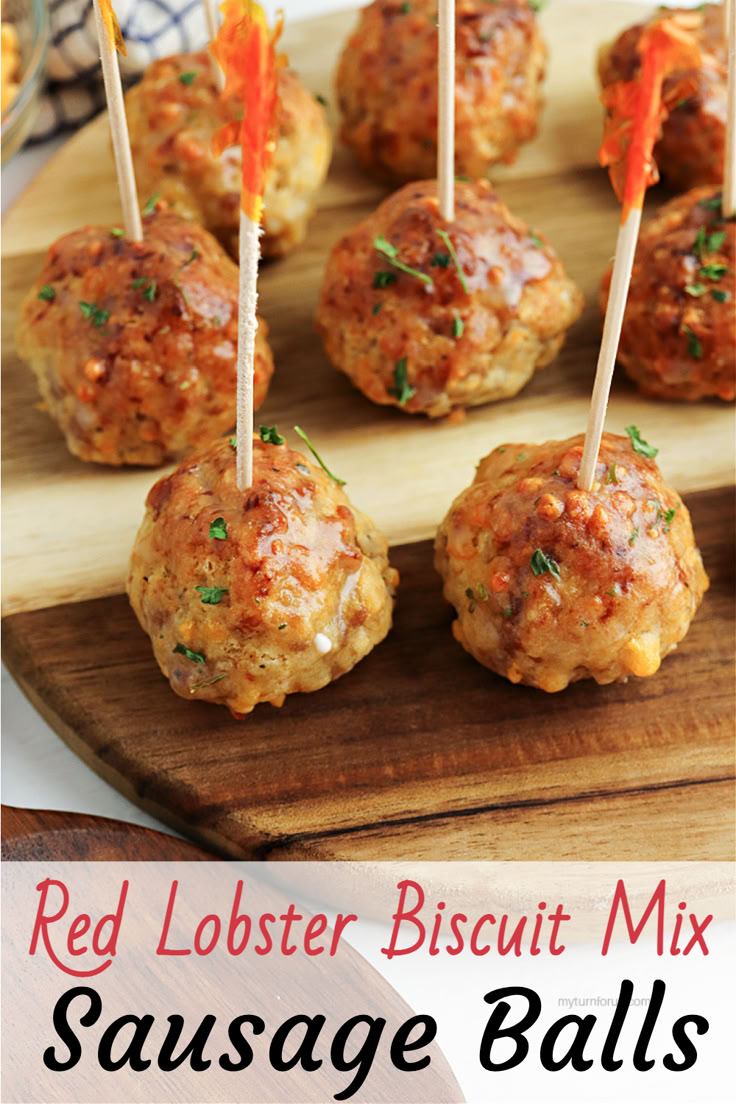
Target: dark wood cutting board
419, 752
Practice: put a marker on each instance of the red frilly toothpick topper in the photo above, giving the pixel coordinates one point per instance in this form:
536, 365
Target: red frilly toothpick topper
111, 26
245, 50
636, 109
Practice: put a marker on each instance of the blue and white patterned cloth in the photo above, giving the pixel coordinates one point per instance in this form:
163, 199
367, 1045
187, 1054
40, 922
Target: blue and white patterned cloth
151, 29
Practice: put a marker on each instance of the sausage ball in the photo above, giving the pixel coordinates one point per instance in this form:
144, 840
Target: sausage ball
679, 334
387, 85
134, 344
248, 597
173, 114
552, 584
691, 148
428, 316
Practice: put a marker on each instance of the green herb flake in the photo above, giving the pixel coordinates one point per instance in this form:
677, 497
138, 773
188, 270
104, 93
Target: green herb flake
196, 657
390, 252
508, 612
117, 232
138, 282
320, 99
542, 563
669, 515
719, 296
483, 592
234, 443
694, 345
715, 241
218, 529
640, 446
317, 457
271, 436
500, 448
536, 240
713, 204
471, 596
611, 476
283, 626
405, 9
192, 257
149, 293
440, 260
382, 279
402, 390
216, 321
188, 78
47, 293
451, 250
94, 314
211, 596
634, 534
537, 5
713, 271
457, 327
151, 204
377, 308
695, 290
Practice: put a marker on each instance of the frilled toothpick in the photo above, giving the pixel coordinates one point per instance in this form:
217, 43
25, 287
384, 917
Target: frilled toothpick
111, 43
446, 110
245, 50
210, 15
729, 166
636, 111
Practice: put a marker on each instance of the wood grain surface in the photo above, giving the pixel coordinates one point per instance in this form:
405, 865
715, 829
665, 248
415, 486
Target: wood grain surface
43, 835
69, 526
419, 753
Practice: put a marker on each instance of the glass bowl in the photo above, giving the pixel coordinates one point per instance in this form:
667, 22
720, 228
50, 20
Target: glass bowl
31, 21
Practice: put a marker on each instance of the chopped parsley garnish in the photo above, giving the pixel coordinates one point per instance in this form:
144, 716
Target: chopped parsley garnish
377, 308
117, 232
187, 78
94, 314
283, 626
138, 281
234, 443
440, 260
149, 293
713, 204
536, 240
47, 293
405, 9
149, 207
634, 534
669, 515
471, 604
218, 529
320, 99
192, 257
483, 592
402, 390
639, 445
694, 346
695, 289
708, 243
541, 563
611, 476
196, 657
390, 252
537, 5
719, 296
382, 279
713, 271
211, 596
271, 436
508, 612
457, 327
317, 457
216, 321
451, 250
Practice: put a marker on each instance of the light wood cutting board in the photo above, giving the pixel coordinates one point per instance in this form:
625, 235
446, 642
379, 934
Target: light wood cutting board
419, 752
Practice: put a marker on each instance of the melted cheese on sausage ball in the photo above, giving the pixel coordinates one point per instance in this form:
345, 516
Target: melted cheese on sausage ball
679, 333
134, 344
691, 148
454, 331
552, 584
173, 113
248, 597
387, 85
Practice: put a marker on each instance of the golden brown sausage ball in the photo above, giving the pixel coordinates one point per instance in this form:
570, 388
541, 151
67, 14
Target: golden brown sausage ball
691, 148
387, 85
173, 114
248, 597
679, 334
443, 335
552, 584
134, 344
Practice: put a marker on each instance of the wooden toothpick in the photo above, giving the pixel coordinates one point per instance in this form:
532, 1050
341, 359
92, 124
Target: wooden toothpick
110, 41
250, 255
210, 15
729, 166
446, 111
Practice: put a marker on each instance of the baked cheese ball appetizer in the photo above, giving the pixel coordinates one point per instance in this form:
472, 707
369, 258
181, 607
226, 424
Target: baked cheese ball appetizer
691, 148
428, 316
552, 584
173, 114
679, 333
134, 344
387, 85
250, 597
